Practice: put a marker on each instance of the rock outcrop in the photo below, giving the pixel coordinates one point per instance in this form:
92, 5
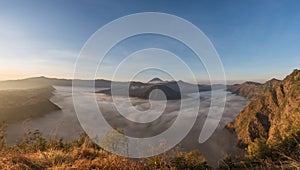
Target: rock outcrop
274, 114
252, 90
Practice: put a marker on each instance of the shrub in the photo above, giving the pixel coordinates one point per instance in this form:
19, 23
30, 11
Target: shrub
3, 127
258, 149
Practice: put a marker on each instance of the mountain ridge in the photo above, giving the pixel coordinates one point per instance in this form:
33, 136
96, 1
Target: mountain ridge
273, 115
252, 90
155, 80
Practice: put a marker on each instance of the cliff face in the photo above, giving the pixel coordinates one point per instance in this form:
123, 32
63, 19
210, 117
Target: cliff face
252, 90
273, 115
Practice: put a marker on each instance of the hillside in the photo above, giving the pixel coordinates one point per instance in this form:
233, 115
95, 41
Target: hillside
36, 82
155, 81
20, 104
252, 90
273, 115
144, 91
173, 90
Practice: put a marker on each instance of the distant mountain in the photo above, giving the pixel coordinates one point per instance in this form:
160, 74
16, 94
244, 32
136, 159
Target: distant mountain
32, 82
169, 93
144, 91
44, 81
252, 90
155, 81
273, 115
173, 90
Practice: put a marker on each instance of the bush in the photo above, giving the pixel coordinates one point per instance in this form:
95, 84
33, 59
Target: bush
258, 149
3, 127
260, 155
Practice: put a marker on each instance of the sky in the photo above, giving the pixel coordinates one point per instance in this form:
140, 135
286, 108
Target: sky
256, 40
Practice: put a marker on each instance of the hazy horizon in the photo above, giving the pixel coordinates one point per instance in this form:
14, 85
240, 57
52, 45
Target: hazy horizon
229, 82
256, 41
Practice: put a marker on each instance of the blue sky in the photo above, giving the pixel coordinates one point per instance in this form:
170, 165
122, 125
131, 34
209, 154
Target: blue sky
256, 40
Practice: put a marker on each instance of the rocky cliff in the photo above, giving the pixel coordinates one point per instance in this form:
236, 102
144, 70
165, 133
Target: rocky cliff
252, 90
274, 114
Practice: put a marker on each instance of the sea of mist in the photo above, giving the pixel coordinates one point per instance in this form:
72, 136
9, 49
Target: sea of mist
64, 123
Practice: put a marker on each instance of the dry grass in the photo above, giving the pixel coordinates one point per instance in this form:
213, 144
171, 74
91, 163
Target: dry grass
260, 155
34, 152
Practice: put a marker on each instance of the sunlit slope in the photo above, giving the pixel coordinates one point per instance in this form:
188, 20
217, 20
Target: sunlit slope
274, 115
20, 104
